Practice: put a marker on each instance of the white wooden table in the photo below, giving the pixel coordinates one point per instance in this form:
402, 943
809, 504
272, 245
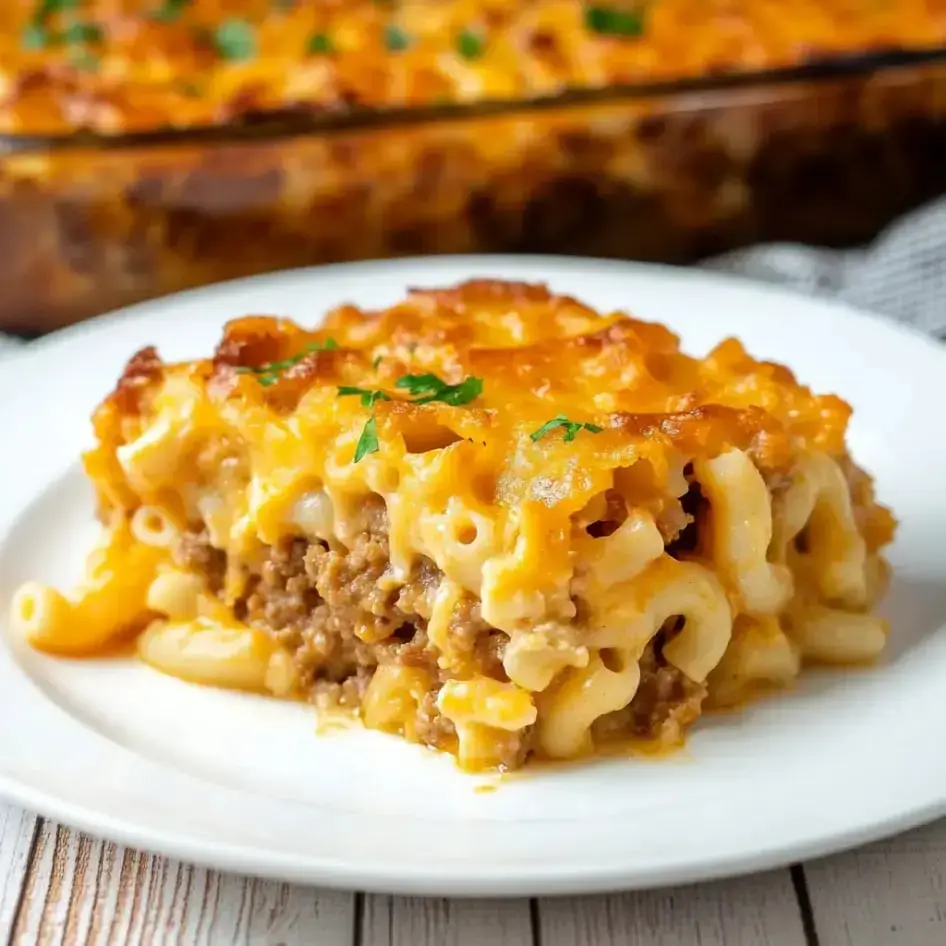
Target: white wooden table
58, 886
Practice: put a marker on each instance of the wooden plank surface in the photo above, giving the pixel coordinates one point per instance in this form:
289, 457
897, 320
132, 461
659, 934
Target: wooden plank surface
80, 890
16, 837
891, 893
413, 921
744, 912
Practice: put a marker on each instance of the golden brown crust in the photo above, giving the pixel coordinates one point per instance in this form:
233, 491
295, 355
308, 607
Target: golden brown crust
146, 64
712, 429
629, 391
144, 368
253, 340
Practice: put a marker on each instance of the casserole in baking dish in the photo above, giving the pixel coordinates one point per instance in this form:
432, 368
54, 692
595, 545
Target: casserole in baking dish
152, 145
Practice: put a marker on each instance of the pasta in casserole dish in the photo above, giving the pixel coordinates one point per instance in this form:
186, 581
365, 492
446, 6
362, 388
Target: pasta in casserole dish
488, 518
148, 146
146, 65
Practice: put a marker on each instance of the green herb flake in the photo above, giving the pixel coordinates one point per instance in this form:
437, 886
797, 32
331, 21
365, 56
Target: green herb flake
368, 441
376, 362
78, 34
46, 8
34, 36
84, 60
170, 10
428, 387
424, 387
235, 41
270, 372
470, 45
570, 427
368, 397
395, 39
613, 21
319, 44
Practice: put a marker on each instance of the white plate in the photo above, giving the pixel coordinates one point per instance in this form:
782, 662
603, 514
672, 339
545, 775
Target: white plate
243, 783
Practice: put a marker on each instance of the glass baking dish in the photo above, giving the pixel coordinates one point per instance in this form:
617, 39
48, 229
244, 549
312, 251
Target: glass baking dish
823, 154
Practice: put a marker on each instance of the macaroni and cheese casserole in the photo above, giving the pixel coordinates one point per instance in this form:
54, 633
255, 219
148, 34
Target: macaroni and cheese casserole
148, 146
488, 519
141, 65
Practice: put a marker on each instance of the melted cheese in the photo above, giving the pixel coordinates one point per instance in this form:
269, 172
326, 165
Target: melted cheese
555, 496
130, 68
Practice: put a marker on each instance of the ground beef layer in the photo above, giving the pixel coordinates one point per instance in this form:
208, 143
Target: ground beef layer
340, 615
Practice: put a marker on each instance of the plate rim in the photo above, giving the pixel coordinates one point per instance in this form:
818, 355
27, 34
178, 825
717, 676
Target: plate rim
482, 884
722, 279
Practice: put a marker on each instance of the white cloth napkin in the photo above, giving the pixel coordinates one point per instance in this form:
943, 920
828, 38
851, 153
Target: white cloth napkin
902, 274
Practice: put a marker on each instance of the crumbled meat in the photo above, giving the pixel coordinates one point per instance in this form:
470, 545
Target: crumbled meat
431, 728
328, 695
341, 615
286, 602
349, 583
195, 553
284, 594
476, 645
667, 701
417, 596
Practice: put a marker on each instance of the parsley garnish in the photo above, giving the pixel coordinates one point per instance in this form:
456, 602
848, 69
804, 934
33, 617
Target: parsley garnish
47, 7
170, 10
376, 362
613, 21
425, 388
396, 39
571, 428
428, 387
470, 45
368, 441
269, 373
79, 33
34, 36
319, 43
82, 59
234, 40
368, 398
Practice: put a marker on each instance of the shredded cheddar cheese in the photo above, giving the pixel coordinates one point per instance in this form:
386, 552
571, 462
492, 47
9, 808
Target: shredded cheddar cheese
489, 518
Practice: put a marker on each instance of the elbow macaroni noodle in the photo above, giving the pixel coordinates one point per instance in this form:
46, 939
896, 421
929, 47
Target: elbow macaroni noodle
566, 550
740, 532
819, 501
